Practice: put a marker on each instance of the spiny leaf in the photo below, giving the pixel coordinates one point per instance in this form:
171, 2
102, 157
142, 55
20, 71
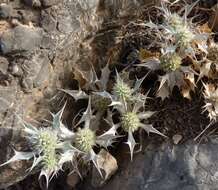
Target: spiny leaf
151, 129
56, 123
76, 94
131, 143
19, 156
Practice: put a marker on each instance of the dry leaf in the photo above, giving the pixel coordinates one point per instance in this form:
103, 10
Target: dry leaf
189, 85
205, 28
145, 54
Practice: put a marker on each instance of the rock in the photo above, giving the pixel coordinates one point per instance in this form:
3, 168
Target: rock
33, 3
73, 179
3, 65
48, 3
15, 172
108, 165
190, 166
18, 39
6, 11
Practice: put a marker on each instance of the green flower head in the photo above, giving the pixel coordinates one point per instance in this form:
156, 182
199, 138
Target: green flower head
170, 62
130, 122
122, 90
48, 142
85, 140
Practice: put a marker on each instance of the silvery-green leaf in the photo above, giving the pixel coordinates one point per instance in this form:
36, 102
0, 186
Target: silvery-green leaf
56, 123
65, 133
189, 8
151, 25
108, 138
19, 156
131, 143
138, 83
67, 156
29, 129
151, 129
94, 157
76, 94
93, 78
36, 161
146, 114
87, 115
47, 174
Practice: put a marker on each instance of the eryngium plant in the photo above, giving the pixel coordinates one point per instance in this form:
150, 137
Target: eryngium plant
85, 138
132, 119
46, 147
179, 31
131, 111
175, 73
211, 101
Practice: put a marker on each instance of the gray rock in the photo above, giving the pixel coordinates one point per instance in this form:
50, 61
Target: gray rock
33, 3
185, 167
12, 173
19, 39
6, 11
48, 3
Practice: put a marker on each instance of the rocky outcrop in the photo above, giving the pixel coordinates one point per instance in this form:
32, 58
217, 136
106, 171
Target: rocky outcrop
190, 166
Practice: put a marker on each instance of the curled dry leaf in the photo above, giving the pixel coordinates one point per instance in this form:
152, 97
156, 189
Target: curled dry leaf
145, 54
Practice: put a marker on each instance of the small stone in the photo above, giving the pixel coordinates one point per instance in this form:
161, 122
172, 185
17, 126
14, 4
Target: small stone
6, 11
18, 39
3, 65
177, 138
73, 179
108, 165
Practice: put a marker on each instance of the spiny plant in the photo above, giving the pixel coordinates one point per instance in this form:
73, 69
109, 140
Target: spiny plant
85, 138
209, 66
175, 73
96, 85
131, 113
211, 101
46, 147
181, 32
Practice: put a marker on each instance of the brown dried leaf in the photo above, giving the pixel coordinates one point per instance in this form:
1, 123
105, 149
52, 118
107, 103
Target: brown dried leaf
189, 85
145, 54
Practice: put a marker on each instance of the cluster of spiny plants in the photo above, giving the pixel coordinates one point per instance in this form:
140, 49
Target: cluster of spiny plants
114, 94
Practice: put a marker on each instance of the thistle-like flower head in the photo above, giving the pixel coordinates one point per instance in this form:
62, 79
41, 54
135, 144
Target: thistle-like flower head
175, 20
48, 142
170, 62
46, 147
100, 103
85, 140
130, 121
122, 90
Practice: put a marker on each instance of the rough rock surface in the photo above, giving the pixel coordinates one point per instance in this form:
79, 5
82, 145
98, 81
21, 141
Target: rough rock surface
185, 167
